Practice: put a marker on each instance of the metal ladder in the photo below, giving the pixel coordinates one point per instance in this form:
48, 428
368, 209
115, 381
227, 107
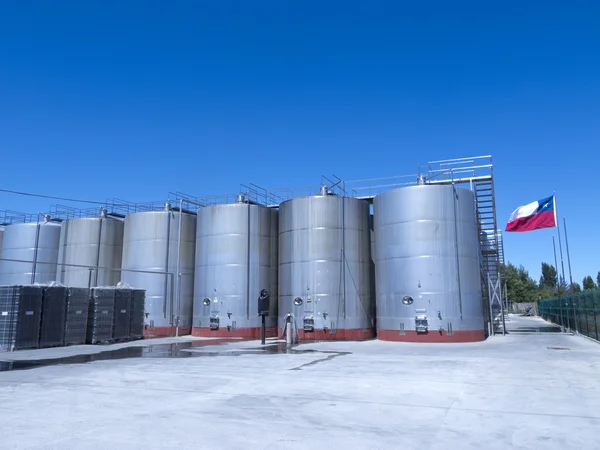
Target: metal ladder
492, 253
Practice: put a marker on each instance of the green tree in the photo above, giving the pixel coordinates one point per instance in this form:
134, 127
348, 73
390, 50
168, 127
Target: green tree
576, 287
588, 284
598, 280
521, 287
549, 276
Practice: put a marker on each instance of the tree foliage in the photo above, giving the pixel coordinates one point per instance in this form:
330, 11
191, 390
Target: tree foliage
588, 284
549, 276
521, 287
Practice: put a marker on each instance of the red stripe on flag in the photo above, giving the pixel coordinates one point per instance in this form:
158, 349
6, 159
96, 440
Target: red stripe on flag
533, 222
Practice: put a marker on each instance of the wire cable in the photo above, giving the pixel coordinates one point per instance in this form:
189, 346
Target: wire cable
28, 194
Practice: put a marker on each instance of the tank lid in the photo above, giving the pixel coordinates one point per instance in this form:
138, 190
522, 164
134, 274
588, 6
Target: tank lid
324, 190
167, 206
421, 180
102, 212
241, 198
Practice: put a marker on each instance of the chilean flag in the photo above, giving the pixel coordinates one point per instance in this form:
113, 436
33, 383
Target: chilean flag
535, 215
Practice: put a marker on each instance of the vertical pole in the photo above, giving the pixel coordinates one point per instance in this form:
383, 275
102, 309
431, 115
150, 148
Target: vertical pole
263, 329
178, 290
501, 307
454, 199
248, 268
556, 266
288, 332
166, 290
568, 256
344, 252
557, 283
559, 243
35, 251
98, 252
490, 305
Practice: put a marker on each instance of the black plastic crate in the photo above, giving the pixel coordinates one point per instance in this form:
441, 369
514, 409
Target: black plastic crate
137, 315
122, 313
101, 316
76, 320
20, 315
54, 304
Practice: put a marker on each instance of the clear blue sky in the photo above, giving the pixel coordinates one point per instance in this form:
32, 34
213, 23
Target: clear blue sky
134, 99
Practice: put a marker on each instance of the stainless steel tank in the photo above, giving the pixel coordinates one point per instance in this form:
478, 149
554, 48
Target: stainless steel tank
236, 257
1, 238
95, 242
324, 260
150, 244
427, 265
36, 243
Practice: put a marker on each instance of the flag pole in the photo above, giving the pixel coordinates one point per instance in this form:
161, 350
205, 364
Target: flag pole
568, 256
560, 311
556, 265
562, 264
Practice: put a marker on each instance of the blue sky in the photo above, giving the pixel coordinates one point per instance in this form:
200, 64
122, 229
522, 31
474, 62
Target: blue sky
135, 99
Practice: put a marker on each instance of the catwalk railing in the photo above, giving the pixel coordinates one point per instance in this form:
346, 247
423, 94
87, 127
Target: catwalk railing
579, 313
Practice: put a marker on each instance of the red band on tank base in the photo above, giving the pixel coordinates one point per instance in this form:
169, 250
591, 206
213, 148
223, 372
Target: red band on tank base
166, 331
431, 336
252, 333
339, 335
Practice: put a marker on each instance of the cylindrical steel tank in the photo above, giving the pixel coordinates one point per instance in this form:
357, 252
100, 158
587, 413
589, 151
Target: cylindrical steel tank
150, 244
36, 243
236, 257
427, 265
324, 260
95, 242
1, 238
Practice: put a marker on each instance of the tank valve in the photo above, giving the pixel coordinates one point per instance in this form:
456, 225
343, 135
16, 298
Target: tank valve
229, 315
228, 327
440, 315
324, 316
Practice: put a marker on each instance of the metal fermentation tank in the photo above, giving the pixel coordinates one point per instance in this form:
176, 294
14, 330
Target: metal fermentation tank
93, 242
324, 260
427, 265
236, 257
35, 243
150, 244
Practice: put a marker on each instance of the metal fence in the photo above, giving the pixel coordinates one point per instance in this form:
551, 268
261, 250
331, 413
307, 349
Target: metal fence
579, 312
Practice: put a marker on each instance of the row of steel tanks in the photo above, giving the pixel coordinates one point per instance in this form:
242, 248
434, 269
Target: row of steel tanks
332, 270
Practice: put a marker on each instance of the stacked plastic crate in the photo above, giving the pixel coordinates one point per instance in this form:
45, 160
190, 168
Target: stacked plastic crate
20, 314
52, 329
121, 323
76, 323
137, 316
101, 316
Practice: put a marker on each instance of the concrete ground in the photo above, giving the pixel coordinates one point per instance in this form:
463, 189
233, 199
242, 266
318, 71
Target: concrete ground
523, 391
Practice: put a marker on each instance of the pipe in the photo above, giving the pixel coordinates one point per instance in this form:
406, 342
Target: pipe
99, 245
167, 205
172, 276
248, 270
179, 266
344, 253
288, 333
35, 251
454, 198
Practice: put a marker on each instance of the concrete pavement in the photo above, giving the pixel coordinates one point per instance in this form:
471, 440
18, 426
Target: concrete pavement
522, 391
